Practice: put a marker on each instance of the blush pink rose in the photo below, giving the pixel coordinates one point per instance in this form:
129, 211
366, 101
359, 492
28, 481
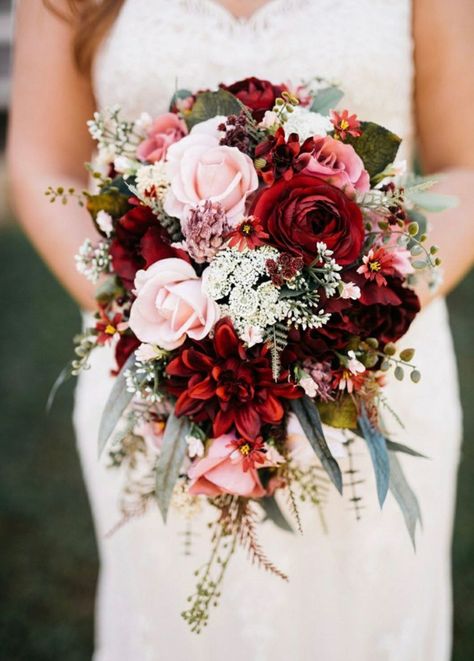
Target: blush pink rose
171, 304
338, 164
164, 131
201, 169
222, 471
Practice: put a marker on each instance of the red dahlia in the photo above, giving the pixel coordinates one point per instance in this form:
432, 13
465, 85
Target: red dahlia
221, 381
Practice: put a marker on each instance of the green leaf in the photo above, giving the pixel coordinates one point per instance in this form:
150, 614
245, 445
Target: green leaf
113, 203
173, 451
404, 496
407, 354
308, 415
326, 100
399, 447
211, 104
378, 453
117, 402
433, 201
377, 147
273, 512
341, 414
63, 376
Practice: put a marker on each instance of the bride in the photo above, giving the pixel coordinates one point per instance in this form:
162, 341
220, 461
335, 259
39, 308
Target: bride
358, 592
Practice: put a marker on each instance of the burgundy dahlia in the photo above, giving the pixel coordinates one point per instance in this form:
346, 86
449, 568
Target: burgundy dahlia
221, 381
282, 156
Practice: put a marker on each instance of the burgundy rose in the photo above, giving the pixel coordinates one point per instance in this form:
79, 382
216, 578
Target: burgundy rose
139, 242
258, 95
124, 348
221, 381
300, 212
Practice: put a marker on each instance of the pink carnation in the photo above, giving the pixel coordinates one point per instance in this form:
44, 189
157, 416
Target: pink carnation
338, 164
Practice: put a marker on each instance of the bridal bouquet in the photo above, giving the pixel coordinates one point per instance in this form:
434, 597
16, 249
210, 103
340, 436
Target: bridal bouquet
255, 268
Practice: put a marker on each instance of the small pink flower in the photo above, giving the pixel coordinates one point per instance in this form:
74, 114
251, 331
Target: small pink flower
377, 264
171, 305
345, 124
201, 169
338, 164
164, 131
350, 290
309, 385
222, 470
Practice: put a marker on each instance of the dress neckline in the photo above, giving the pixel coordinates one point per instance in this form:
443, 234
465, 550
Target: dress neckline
257, 17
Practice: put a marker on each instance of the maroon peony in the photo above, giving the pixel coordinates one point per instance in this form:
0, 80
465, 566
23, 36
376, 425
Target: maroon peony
139, 242
221, 381
258, 95
300, 212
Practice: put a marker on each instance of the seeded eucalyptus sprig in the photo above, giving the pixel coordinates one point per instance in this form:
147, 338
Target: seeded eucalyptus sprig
372, 354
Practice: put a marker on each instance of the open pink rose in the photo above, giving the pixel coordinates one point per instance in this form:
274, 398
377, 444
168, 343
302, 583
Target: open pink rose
222, 471
338, 164
201, 169
164, 131
171, 305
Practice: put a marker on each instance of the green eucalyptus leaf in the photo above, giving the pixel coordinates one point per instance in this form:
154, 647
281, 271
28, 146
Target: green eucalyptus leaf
113, 202
211, 104
117, 402
407, 354
273, 512
63, 376
326, 100
173, 452
377, 147
341, 414
433, 201
307, 413
178, 95
378, 453
400, 447
404, 496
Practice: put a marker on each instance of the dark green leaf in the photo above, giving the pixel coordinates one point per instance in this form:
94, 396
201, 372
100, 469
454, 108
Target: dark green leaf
377, 147
114, 203
404, 496
273, 512
326, 100
399, 447
211, 104
378, 453
308, 415
173, 451
117, 402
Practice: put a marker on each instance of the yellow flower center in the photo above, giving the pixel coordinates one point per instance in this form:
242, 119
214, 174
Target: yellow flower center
344, 124
374, 266
245, 449
110, 330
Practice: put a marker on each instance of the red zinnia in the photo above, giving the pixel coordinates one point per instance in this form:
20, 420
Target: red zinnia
221, 381
248, 234
345, 124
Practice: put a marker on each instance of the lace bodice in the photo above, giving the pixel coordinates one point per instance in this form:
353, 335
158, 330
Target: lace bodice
157, 46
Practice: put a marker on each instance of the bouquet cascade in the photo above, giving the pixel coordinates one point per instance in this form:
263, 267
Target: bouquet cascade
255, 267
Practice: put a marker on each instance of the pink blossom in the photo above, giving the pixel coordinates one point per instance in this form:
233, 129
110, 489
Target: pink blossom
309, 385
350, 290
201, 169
164, 131
338, 164
222, 471
171, 304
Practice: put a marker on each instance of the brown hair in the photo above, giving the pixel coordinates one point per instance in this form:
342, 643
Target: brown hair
91, 20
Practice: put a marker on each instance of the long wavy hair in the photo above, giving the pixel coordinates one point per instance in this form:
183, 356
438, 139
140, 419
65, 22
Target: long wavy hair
91, 20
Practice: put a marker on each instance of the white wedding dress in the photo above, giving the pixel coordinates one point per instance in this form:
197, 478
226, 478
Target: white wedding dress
358, 592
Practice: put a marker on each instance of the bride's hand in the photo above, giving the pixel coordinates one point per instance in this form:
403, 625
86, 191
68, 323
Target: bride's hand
48, 140
444, 51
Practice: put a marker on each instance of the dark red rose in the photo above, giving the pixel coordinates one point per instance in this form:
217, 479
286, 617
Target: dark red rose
386, 322
258, 95
221, 381
139, 242
300, 212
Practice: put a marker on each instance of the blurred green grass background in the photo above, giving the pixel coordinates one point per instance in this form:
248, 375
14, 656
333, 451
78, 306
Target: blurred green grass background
49, 561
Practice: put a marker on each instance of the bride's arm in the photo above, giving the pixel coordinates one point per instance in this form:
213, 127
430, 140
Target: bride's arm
48, 140
444, 53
